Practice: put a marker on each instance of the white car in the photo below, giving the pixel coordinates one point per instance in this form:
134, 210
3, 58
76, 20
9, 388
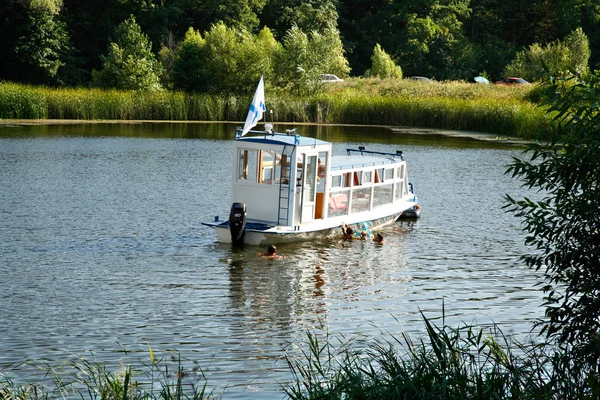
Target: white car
325, 78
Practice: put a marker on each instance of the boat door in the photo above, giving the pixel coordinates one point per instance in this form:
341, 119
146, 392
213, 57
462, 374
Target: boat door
309, 187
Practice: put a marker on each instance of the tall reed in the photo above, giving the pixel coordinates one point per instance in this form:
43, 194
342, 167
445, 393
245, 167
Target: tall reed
21, 101
163, 378
482, 108
451, 363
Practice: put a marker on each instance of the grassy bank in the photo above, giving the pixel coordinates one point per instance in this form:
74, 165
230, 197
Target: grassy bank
504, 111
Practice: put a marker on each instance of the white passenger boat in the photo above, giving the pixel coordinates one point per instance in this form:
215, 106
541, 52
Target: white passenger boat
287, 188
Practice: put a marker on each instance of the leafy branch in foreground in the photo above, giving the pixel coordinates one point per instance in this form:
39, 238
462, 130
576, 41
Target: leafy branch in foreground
564, 226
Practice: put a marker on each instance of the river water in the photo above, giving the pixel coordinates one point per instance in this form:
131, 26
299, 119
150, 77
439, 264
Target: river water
102, 252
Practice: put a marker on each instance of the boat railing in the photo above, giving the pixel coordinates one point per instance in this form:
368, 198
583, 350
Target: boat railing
362, 151
359, 165
266, 133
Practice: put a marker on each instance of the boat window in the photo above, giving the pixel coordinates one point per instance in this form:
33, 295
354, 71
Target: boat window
266, 167
357, 177
336, 181
322, 164
400, 172
389, 174
361, 199
382, 195
248, 165
338, 203
367, 177
311, 167
378, 175
282, 168
321, 172
401, 184
346, 179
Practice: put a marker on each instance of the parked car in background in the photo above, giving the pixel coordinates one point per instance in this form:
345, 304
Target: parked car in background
512, 81
420, 78
326, 78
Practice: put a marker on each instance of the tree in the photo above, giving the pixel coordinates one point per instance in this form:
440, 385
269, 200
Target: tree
187, 66
433, 41
303, 58
561, 58
308, 15
241, 14
226, 60
383, 65
564, 226
129, 63
42, 42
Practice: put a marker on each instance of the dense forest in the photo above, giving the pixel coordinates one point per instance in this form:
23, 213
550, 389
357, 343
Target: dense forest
77, 42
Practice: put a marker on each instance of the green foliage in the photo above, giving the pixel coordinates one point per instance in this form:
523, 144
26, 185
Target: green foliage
444, 39
166, 55
187, 66
129, 63
564, 224
227, 60
41, 45
382, 65
241, 14
51, 7
315, 16
560, 58
304, 57
433, 43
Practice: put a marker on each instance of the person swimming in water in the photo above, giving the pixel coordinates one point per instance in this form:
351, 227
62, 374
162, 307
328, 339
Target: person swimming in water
271, 252
378, 238
347, 231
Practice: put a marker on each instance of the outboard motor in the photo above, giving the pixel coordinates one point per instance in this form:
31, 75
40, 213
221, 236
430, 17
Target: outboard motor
237, 224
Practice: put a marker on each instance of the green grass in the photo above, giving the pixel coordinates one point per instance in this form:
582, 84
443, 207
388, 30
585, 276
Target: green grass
500, 110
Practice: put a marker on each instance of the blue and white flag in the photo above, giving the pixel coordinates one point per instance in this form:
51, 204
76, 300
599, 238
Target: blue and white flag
257, 108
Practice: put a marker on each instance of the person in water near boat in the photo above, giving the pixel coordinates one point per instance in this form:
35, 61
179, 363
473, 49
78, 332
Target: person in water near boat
271, 252
347, 231
378, 238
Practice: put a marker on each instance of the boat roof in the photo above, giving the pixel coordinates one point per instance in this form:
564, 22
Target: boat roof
282, 139
358, 161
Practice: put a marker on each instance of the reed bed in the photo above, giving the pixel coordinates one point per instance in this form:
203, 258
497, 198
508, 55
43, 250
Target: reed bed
505, 111
163, 378
448, 364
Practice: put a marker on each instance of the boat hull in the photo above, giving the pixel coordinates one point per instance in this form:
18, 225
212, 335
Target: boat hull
411, 213
278, 235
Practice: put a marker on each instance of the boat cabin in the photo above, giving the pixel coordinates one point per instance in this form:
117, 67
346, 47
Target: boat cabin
289, 180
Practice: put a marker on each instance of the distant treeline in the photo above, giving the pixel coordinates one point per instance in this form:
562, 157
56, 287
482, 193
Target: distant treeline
62, 42
505, 111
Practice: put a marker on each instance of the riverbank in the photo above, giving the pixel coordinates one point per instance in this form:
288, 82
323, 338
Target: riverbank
501, 111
